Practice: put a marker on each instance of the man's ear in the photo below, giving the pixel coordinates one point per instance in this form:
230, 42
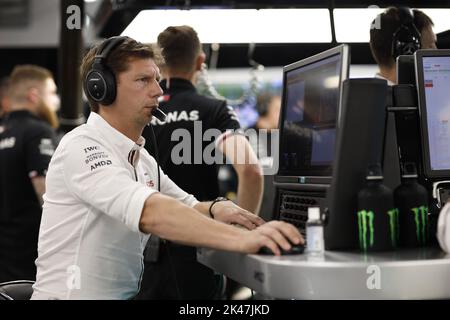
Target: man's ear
200, 60
5, 104
33, 95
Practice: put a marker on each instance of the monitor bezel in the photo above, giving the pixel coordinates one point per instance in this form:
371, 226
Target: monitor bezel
422, 109
342, 50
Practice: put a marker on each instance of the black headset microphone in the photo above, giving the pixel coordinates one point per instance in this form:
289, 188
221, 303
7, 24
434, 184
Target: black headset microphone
158, 113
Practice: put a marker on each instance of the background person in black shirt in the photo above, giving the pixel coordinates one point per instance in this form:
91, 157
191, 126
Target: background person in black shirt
3, 99
26, 146
177, 274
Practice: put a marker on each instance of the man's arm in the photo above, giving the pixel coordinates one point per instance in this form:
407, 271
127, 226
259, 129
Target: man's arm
39, 148
250, 180
39, 187
228, 212
172, 220
224, 211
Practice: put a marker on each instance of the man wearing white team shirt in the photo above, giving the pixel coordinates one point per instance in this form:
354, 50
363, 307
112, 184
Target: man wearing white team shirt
102, 202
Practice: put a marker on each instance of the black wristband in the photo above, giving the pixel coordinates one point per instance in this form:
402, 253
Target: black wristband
215, 201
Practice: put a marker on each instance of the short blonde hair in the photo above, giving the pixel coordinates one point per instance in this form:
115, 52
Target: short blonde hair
24, 77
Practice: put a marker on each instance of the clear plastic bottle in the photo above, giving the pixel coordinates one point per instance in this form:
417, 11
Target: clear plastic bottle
314, 232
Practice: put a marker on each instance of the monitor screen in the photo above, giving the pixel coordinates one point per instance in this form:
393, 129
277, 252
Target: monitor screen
310, 107
433, 87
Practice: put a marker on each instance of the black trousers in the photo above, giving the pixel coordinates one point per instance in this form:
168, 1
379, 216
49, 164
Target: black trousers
177, 275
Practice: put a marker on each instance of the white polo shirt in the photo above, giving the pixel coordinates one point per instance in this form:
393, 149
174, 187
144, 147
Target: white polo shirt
90, 246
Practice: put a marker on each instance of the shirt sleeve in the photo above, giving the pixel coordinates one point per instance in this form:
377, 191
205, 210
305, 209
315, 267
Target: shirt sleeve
169, 188
97, 177
39, 148
443, 229
225, 118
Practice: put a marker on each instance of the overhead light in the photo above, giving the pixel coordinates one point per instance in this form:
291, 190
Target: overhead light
353, 25
237, 25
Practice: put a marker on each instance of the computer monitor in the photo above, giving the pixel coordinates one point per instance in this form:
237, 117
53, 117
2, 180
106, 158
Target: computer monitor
433, 88
309, 115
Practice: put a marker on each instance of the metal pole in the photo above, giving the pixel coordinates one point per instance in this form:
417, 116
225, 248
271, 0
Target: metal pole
69, 59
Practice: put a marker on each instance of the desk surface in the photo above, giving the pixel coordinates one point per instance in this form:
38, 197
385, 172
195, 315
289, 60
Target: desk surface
404, 274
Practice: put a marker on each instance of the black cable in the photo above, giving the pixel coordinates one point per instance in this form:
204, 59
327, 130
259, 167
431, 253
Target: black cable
156, 156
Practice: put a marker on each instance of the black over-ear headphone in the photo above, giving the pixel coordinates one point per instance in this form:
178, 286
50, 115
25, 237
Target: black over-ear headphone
100, 82
406, 39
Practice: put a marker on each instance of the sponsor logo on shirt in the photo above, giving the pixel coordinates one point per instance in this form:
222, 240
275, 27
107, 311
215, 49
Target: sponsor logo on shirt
100, 164
176, 116
90, 149
94, 154
7, 143
232, 113
150, 182
46, 147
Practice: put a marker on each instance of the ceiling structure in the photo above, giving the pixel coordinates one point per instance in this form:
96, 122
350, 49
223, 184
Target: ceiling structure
114, 16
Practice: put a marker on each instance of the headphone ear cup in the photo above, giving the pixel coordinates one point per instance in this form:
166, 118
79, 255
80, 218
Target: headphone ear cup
111, 91
405, 42
100, 86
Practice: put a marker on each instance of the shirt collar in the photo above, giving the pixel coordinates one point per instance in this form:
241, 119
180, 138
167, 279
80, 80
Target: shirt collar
126, 146
21, 114
176, 83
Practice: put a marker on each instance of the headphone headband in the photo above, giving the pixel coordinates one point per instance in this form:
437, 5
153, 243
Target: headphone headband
108, 45
406, 15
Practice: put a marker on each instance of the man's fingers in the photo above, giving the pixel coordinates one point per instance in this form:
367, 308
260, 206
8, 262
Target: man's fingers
291, 232
269, 243
244, 221
254, 218
275, 235
287, 230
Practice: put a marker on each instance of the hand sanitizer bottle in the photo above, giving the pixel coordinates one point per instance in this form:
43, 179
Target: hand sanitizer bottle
314, 232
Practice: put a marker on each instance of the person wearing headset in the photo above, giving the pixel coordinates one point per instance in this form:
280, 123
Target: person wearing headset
102, 199
399, 31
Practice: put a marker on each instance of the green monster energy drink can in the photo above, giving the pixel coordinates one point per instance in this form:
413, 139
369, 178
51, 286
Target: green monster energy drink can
378, 219
412, 200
